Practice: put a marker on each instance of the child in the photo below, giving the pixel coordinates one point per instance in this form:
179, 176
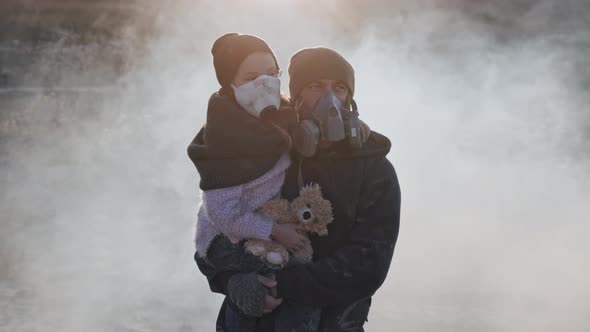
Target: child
242, 154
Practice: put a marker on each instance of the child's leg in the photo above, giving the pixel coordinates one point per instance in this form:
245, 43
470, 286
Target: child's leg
227, 256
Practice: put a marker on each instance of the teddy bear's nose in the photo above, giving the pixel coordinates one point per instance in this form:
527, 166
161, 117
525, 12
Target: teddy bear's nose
305, 215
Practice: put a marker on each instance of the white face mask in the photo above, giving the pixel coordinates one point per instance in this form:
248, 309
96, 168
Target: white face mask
264, 93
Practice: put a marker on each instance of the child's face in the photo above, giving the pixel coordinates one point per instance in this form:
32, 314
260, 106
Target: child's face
256, 64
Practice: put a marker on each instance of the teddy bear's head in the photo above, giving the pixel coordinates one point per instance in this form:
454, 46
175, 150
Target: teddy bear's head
312, 210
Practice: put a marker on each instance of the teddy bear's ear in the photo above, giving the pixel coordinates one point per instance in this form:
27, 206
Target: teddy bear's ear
314, 186
312, 189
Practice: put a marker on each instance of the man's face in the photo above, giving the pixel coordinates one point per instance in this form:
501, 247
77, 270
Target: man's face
314, 90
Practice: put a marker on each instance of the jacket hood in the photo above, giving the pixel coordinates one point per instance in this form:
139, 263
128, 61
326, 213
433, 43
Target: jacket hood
234, 147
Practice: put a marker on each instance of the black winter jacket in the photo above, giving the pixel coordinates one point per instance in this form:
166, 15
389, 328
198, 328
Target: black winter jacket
351, 263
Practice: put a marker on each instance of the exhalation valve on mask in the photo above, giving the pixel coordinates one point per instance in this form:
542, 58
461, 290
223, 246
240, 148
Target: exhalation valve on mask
259, 97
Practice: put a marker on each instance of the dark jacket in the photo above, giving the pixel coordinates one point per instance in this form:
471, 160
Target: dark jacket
234, 147
351, 263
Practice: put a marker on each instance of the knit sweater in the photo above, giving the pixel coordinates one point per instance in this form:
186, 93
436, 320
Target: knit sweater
231, 211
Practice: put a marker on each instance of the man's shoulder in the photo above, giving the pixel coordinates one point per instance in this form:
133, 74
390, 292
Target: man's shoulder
374, 156
376, 147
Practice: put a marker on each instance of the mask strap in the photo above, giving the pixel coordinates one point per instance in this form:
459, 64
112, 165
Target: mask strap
300, 173
227, 90
354, 106
296, 103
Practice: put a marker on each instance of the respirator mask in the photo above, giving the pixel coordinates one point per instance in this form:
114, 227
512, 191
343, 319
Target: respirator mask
260, 96
328, 121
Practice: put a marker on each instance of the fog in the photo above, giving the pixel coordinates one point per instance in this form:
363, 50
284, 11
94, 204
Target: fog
486, 106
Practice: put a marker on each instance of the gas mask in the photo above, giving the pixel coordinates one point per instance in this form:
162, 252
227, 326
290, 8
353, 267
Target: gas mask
260, 96
329, 121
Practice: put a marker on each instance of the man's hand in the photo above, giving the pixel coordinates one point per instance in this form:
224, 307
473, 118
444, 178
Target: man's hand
287, 235
270, 302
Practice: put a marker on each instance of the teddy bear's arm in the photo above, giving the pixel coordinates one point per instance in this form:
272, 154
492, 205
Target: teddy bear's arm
278, 210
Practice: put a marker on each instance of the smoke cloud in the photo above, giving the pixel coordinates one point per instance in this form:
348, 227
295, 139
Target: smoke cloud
486, 104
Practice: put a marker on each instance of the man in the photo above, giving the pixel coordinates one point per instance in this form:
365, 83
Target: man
351, 263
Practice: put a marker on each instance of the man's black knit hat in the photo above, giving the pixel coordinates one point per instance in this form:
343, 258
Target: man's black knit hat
230, 50
310, 64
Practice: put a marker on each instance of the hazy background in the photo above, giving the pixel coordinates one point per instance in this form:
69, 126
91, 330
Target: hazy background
486, 104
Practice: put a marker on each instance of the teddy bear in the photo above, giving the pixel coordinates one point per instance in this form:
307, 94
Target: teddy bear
310, 211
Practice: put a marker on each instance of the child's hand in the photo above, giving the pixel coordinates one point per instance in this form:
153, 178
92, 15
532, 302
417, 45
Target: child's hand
286, 235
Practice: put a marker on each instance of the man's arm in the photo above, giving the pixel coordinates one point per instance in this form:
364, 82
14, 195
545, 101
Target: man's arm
358, 269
